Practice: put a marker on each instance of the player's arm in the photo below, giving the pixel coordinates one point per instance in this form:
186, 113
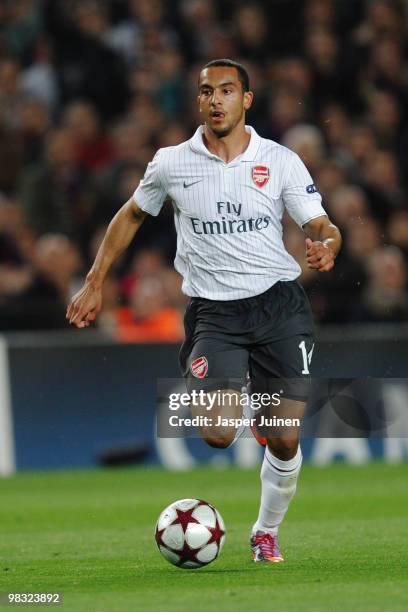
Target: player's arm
86, 304
323, 243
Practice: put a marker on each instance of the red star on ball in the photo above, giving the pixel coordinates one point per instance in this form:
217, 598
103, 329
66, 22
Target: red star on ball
187, 554
185, 517
216, 533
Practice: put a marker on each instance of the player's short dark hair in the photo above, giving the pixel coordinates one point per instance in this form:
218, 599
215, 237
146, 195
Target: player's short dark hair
243, 76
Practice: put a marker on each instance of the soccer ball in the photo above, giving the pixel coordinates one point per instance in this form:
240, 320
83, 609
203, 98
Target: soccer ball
190, 533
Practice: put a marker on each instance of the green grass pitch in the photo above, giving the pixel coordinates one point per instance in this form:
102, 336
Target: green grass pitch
89, 535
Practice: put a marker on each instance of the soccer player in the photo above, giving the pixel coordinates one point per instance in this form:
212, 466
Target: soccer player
248, 313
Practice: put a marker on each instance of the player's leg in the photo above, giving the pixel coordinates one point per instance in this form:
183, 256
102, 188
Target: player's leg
281, 465
216, 370
281, 367
279, 475
279, 472
223, 410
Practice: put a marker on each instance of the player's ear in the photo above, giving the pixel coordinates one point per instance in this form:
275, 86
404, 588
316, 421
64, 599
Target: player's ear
248, 98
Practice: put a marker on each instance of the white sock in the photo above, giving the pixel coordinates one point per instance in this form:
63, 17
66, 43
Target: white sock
278, 480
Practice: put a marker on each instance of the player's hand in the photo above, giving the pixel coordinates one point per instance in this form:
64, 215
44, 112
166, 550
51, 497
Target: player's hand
85, 306
319, 256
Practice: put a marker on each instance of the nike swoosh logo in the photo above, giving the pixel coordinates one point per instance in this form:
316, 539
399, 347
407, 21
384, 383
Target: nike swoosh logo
186, 185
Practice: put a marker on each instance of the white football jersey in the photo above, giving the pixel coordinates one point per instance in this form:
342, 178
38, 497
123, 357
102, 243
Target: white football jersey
228, 216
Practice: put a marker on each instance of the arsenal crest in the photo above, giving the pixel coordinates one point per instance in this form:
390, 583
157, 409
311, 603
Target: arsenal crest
260, 175
199, 367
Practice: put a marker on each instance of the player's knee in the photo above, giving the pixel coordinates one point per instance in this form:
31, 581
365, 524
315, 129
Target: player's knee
283, 448
219, 441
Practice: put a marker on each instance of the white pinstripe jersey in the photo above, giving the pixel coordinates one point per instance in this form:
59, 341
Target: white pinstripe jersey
228, 215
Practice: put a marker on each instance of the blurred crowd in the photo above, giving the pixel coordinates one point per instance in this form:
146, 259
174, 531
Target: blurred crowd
89, 89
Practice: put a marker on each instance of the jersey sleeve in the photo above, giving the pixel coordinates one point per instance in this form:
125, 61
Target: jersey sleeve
300, 197
151, 193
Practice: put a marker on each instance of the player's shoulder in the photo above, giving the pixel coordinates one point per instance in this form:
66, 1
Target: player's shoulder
174, 151
271, 146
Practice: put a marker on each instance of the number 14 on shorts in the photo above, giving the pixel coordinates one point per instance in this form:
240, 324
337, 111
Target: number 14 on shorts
306, 356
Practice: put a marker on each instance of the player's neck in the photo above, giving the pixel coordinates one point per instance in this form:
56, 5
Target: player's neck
227, 147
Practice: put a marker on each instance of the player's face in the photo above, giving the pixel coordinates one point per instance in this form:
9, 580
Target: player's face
221, 99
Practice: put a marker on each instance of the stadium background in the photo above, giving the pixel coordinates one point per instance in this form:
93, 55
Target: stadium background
88, 91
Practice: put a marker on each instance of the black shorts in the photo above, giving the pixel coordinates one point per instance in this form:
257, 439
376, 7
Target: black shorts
268, 338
